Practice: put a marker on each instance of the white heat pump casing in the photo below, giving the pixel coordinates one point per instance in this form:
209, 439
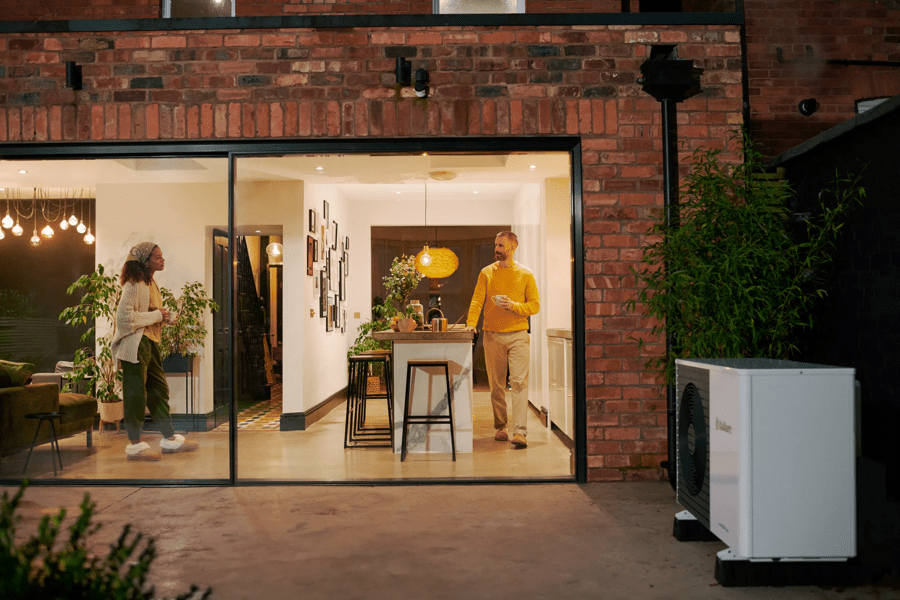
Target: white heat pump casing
782, 459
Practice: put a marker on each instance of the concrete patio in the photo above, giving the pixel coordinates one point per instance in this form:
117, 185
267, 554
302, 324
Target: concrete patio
609, 541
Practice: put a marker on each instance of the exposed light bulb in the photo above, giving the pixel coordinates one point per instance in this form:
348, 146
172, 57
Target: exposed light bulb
426, 259
73, 220
89, 238
64, 224
7, 220
81, 227
47, 231
2, 235
17, 230
35, 240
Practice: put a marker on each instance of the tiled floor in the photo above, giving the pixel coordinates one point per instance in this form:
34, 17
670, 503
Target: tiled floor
314, 455
265, 415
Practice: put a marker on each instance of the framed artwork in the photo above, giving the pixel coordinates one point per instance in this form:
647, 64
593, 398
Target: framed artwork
315, 250
323, 294
312, 220
344, 322
346, 263
342, 285
325, 211
332, 271
310, 254
324, 238
334, 235
332, 310
347, 243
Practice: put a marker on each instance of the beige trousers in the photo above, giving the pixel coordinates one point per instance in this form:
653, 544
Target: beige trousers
513, 350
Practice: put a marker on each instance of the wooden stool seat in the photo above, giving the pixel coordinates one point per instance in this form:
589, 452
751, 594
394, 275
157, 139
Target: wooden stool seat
427, 419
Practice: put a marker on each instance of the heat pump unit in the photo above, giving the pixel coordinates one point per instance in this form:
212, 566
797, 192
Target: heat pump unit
766, 456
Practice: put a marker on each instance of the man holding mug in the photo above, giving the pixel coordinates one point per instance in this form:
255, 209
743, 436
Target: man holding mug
513, 296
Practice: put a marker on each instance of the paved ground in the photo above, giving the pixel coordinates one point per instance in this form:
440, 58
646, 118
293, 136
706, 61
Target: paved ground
593, 541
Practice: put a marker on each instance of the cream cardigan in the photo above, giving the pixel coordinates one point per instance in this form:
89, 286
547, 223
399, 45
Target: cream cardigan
132, 315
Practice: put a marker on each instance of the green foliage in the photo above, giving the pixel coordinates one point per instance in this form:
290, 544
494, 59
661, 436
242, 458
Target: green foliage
44, 566
15, 304
737, 280
402, 280
102, 293
381, 317
187, 334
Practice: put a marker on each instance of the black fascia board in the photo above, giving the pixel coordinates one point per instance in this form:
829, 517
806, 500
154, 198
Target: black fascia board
386, 21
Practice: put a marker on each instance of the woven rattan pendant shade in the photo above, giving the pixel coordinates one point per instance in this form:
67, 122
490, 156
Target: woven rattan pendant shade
443, 262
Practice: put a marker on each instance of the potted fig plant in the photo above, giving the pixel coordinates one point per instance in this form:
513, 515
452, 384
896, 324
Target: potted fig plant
183, 339
97, 309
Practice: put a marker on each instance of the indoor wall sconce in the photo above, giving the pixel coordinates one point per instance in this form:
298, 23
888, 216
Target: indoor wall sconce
808, 107
73, 75
421, 86
403, 71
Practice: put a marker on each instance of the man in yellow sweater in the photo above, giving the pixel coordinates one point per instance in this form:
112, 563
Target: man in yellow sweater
512, 297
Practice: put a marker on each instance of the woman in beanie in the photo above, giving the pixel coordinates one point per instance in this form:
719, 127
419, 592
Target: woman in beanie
139, 319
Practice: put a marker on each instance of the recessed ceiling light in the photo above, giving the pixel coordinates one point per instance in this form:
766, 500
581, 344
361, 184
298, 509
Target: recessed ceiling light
22, 171
398, 193
320, 168
475, 192
533, 167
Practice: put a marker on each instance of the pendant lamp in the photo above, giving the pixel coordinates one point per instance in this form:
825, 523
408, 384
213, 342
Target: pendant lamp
435, 262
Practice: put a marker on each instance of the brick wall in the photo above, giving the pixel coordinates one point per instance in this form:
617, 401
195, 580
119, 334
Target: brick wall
52, 10
788, 44
339, 83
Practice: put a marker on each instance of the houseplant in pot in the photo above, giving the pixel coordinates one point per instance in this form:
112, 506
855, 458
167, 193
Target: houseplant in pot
183, 339
97, 308
401, 282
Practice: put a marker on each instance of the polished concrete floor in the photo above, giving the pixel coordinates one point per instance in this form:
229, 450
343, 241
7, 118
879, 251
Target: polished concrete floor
314, 455
413, 542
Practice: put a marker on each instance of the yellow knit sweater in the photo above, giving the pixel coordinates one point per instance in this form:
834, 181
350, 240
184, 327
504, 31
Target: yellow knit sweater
517, 282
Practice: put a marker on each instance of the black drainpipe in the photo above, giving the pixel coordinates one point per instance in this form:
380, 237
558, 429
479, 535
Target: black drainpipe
670, 80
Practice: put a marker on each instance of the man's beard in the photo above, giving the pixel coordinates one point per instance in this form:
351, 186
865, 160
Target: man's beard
499, 256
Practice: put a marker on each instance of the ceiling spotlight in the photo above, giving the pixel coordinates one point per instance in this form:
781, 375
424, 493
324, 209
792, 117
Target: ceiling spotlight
808, 107
532, 167
22, 171
320, 168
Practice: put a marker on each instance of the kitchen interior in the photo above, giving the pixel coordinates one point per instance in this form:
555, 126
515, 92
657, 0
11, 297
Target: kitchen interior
308, 264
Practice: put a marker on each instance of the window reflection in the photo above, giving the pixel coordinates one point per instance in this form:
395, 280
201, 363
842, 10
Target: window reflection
187, 9
479, 6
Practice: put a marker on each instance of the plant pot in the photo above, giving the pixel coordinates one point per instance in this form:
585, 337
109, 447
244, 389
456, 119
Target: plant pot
177, 363
111, 412
406, 325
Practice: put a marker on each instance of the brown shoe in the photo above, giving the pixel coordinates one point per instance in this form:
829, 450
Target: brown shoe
502, 435
519, 441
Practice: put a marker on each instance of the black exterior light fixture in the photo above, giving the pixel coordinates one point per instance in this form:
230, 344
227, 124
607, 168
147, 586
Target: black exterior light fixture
670, 80
421, 86
808, 107
403, 71
73, 75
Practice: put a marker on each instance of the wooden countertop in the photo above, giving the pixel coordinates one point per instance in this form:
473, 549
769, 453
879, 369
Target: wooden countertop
455, 334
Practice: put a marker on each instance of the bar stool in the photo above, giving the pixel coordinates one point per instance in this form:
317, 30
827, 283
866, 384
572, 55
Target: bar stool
356, 433
427, 419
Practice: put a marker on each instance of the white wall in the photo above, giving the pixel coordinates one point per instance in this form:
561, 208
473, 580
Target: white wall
175, 217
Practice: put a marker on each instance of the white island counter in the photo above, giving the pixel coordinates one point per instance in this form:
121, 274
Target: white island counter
428, 388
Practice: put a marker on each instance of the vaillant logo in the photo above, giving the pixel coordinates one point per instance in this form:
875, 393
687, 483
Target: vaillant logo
723, 426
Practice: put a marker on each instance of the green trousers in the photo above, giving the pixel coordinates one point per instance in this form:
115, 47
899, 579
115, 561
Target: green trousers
144, 386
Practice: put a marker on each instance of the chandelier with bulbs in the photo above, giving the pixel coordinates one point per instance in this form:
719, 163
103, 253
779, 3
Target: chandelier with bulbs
66, 212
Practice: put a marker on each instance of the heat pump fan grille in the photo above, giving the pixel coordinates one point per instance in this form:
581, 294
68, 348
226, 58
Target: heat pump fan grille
693, 439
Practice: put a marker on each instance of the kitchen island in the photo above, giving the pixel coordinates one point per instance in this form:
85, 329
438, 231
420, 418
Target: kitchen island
428, 390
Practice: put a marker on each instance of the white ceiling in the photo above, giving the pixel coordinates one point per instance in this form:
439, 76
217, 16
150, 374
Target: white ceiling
358, 177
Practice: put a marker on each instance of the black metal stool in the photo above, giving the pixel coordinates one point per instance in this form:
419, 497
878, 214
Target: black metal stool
427, 419
356, 433
41, 417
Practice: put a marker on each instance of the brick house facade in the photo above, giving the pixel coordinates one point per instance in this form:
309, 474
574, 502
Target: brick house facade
319, 80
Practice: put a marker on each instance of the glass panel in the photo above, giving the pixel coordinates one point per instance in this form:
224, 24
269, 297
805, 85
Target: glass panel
175, 204
480, 6
316, 235
186, 9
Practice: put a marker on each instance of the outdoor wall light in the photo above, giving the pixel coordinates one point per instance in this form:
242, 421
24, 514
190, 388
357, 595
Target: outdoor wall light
403, 71
808, 107
73, 75
421, 86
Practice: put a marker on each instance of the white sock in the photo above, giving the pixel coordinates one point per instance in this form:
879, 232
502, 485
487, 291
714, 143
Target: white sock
172, 444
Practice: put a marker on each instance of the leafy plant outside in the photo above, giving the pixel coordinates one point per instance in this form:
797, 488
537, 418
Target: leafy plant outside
44, 566
734, 278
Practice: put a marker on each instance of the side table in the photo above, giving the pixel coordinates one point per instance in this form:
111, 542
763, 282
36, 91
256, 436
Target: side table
41, 417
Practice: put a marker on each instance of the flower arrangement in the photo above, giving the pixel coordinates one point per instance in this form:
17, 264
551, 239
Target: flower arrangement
402, 281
